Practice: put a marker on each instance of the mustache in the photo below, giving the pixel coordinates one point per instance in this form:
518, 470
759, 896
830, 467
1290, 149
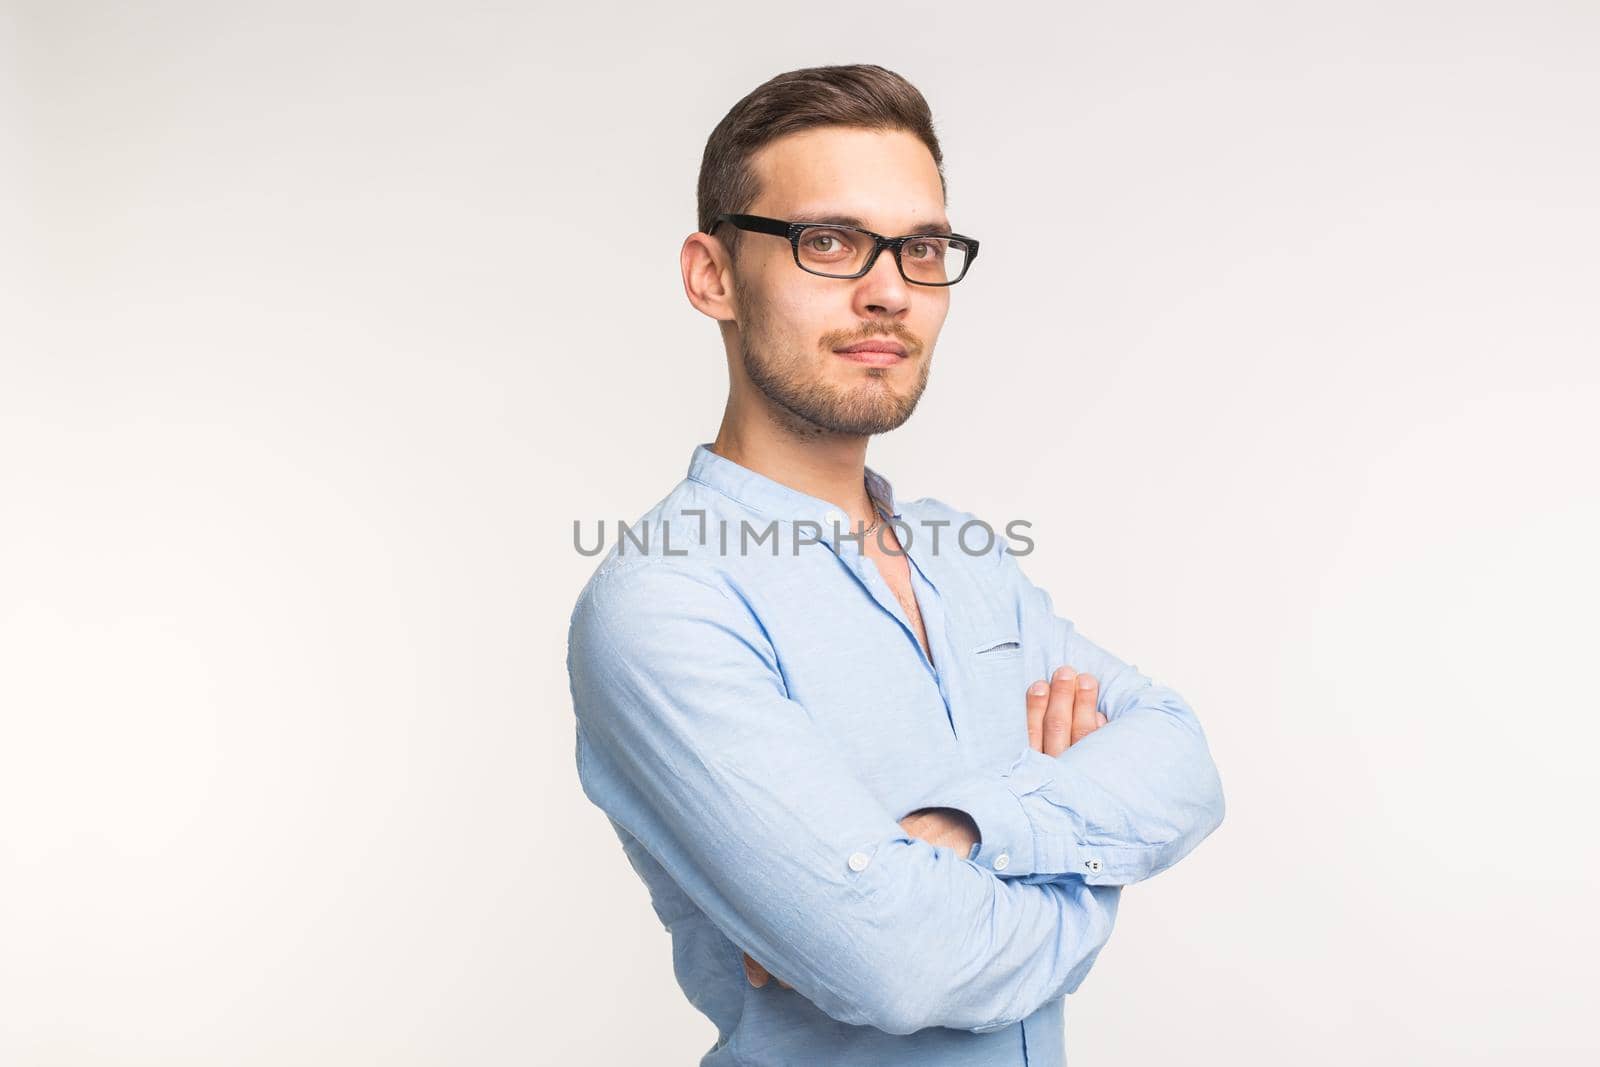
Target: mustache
912, 345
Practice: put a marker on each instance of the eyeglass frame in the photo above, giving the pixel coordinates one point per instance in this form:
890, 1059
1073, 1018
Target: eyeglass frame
793, 230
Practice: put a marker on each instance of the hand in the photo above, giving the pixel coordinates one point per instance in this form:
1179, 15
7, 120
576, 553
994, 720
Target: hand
1062, 712
757, 975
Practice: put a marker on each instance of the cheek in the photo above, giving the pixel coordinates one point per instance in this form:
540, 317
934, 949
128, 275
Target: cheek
931, 315
806, 318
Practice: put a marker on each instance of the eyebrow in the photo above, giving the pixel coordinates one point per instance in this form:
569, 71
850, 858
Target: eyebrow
851, 220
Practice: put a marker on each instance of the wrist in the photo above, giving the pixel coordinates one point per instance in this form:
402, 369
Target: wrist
946, 827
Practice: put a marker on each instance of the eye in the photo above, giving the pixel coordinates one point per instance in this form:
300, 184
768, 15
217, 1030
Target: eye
824, 242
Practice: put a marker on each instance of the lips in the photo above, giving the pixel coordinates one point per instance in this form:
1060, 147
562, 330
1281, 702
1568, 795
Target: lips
871, 358
893, 348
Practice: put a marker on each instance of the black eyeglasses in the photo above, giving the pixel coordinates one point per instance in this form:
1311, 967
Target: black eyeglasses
836, 251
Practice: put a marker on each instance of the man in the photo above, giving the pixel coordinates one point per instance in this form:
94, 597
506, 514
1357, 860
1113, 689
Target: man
804, 705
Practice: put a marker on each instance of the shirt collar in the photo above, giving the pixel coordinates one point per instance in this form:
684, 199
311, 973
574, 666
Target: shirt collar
779, 501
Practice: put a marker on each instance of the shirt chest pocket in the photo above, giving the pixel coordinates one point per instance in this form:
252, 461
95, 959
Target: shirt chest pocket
996, 659
996, 694
990, 640
998, 647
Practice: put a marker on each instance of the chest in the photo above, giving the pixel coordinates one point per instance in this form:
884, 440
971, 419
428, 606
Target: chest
895, 571
903, 716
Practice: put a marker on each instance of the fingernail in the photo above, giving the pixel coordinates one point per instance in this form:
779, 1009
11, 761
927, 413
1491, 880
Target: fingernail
1064, 674
1085, 681
1038, 689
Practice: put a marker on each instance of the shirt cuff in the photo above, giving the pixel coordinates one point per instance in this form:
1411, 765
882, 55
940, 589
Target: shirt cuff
1005, 836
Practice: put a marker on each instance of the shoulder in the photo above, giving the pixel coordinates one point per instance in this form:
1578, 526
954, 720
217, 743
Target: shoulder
674, 527
672, 533
966, 534
659, 617
623, 589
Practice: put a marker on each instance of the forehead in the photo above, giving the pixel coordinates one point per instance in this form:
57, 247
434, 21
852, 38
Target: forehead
884, 178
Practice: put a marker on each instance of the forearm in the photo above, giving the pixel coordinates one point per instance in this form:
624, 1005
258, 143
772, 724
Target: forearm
1124, 803
1121, 805
991, 951
917, 937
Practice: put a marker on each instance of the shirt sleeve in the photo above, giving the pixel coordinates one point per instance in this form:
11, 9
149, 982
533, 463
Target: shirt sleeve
1124, 803
688, 740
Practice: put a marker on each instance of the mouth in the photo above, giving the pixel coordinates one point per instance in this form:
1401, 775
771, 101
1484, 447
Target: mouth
874, 353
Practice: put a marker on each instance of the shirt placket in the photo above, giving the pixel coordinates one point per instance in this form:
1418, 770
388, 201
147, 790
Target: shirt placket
929, 605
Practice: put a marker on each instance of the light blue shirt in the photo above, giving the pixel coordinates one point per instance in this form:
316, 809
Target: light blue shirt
755, 723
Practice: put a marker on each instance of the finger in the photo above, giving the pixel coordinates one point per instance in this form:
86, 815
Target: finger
1058, 714
784, 984
1101, 716
754, 972
1038, 697
1084, 722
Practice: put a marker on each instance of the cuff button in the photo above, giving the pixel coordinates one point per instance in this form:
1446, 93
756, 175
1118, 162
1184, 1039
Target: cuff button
859, 861
1002, 861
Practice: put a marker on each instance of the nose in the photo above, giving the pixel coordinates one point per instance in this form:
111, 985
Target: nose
882, 291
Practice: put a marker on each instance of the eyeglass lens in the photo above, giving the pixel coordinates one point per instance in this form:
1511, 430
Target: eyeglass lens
841, 253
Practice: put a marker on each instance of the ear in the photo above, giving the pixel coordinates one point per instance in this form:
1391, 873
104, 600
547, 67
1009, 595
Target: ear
708, 276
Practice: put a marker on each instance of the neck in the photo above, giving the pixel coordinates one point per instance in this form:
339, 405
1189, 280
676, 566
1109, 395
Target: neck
828, 466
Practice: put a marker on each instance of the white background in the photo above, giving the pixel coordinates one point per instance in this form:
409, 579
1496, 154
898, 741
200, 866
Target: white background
323, 322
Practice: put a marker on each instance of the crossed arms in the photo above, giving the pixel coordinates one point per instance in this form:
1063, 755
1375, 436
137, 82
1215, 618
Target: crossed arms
1060, 712
688, 740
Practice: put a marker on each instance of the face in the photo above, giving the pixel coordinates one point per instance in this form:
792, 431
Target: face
790, 324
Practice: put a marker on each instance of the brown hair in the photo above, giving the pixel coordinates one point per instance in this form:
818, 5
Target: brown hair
862, 95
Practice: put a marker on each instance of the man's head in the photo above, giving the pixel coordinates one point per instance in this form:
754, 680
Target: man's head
822, 143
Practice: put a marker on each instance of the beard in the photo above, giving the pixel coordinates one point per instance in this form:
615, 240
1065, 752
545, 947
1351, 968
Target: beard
808, 405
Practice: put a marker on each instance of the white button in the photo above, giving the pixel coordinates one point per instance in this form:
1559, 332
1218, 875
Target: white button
1002, 861
834, 518
1093, 865
859, 861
